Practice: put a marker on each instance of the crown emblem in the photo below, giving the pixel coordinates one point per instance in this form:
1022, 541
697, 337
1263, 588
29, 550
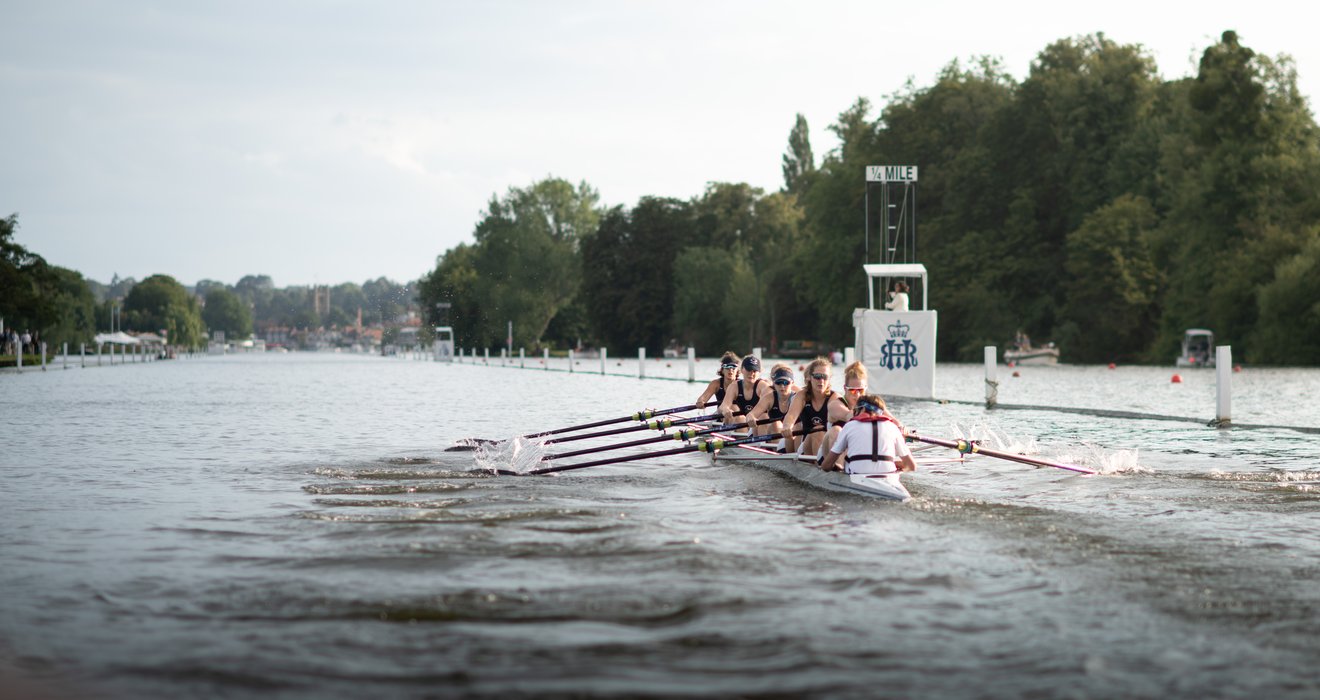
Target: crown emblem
899, 330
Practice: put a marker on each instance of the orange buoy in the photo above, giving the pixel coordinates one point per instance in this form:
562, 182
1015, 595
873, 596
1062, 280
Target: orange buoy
1177, 379
1112, 365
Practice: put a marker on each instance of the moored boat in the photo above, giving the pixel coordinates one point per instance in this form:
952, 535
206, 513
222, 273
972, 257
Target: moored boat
1024, 353
1048, 355
1197, 348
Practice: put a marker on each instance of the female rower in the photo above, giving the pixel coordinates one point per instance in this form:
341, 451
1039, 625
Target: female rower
774, 404
728, 374
854, 386
812, 408
872, 442
745, 393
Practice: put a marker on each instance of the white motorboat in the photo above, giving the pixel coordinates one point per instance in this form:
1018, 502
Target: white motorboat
1028, 355
1197, 348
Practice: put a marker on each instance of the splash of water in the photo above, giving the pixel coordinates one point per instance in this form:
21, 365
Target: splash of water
517, 455
1083, 454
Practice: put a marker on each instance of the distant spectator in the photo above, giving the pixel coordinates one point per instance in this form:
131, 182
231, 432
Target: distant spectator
898, 297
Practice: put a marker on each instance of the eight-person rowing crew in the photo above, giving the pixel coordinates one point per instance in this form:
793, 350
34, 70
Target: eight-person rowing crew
852, 432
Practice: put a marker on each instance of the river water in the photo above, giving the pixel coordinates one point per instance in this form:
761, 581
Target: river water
293, 526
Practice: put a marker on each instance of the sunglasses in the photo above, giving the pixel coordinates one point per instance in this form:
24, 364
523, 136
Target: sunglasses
820, 376
855, 389
783, 382
728, 366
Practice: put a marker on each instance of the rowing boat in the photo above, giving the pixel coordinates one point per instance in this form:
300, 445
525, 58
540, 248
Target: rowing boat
884, 486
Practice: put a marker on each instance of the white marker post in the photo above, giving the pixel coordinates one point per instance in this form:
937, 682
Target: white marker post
545, 358
570, 360
991, 376
1224, 368
692, 363
641, 363
604, 355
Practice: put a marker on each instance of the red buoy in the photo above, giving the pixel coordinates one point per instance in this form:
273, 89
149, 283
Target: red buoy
1237, 368
1177, 379
1112, 366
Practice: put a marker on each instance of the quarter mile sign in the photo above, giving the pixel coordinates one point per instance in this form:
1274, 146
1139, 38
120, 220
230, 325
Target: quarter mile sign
891, 173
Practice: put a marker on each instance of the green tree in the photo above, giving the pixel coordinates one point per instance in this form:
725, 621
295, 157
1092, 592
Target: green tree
629, 295
452, 282
73, 320
1289, 326
159, 303
1242, 173
1112, 283
799, 163
225, 311
23, 276
55, 302
709, 309
526, 260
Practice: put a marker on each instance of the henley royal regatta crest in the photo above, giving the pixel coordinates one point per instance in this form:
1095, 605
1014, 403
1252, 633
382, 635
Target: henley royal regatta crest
895, 339
898, 352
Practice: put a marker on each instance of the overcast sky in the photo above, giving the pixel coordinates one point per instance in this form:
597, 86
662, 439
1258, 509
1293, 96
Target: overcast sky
341, 141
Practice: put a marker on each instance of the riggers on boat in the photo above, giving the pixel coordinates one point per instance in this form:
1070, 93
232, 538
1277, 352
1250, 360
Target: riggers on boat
884, 486
804, 468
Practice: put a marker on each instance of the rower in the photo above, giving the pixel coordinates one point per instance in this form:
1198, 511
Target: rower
854, 386
872, 442
775, 404
728, 373
745, 393
812, 408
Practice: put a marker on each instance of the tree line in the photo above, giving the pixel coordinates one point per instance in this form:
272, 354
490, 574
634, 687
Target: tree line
1091, 203
65, 307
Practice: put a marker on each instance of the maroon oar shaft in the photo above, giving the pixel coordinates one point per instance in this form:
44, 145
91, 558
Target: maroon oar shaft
647, 441
644, 416
966, 446
703, 446
632, 429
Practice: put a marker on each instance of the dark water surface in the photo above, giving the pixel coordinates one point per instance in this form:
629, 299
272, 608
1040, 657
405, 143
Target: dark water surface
292, 526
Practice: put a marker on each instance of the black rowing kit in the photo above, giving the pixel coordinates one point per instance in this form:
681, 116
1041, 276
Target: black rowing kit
815, 420
719, 393
776, 412
741, 404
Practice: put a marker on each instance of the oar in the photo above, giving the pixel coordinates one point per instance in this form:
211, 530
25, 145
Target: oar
702, 446
967, 446
638, 416
653, 424
685, 434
